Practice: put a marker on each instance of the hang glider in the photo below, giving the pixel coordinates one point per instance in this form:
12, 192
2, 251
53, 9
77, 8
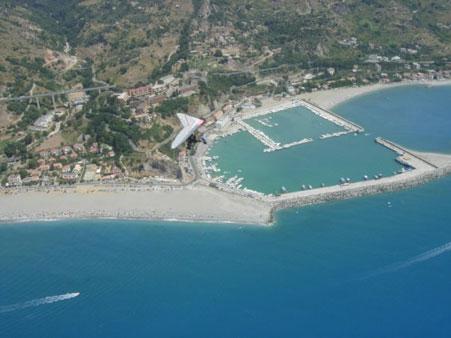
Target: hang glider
190, 125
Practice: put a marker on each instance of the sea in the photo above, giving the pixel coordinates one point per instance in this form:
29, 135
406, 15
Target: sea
376, 266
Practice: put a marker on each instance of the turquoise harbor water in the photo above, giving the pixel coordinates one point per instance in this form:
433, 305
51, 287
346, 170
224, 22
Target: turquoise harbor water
293, 124
356, 268
320, 162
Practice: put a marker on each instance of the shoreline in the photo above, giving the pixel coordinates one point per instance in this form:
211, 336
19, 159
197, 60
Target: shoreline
330, 98
198, 203
190, 204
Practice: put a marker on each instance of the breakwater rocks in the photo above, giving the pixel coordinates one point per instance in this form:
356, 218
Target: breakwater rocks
354, 190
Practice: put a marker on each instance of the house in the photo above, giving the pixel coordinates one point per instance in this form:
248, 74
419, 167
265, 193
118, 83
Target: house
14, 180
67, 150
91, 173
140, 91
105, 147
107, 170
69, 177
57, 166
31, 180
56, 152
44, 122
79, 148
44, 154
77, 169
123, 97
79, 97
94, 148
66, 169
44, 167
218, 114
156, 99
187, 90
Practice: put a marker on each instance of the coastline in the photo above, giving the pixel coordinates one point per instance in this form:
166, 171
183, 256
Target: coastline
197, 202
330, 98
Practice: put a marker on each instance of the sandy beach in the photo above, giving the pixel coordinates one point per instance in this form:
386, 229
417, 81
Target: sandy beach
332, 97
197, 203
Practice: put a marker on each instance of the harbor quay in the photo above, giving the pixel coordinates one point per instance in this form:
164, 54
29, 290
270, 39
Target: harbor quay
417, 167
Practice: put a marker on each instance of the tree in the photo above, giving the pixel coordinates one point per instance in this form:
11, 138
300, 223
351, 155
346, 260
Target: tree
28, 139
32, 163
23, 173
10, 149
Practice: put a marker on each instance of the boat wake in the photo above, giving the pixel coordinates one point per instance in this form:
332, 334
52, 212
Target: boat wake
414, 260
38, 302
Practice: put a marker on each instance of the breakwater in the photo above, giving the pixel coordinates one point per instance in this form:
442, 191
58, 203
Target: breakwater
359, 189
332, 117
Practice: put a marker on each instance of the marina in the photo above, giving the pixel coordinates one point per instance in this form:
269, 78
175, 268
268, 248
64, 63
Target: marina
344, 164
294, 124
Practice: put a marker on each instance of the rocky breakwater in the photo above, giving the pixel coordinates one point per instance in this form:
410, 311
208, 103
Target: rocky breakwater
427, 167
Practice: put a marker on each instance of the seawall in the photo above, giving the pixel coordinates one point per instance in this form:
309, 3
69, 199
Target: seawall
359, 189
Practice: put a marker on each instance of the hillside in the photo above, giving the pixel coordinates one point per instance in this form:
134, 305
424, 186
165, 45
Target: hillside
191, 56
127, 40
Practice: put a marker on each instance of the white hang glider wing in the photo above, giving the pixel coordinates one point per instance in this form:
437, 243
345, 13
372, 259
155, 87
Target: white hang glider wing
190, 125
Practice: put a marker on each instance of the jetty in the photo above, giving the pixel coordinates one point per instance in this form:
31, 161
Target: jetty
259, 135
332, 117
424, 167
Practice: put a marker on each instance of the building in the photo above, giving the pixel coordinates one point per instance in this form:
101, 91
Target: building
67, 169
14, 180
157, 99
31, 180
44, 122
123, 97
187, 90
91, 173
67, 150
69, 177
57, 166
77, 169
224, 121
94, 149
78, 98
140, 91
79, 148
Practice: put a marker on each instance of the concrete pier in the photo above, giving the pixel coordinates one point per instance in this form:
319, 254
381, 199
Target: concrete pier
406, 156
261, 136
332, 117
426, 167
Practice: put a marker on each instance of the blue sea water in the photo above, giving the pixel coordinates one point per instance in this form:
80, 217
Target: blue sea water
371, 267
416, 116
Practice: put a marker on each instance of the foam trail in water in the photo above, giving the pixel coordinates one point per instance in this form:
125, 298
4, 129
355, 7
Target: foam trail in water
37, 302
414, 260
